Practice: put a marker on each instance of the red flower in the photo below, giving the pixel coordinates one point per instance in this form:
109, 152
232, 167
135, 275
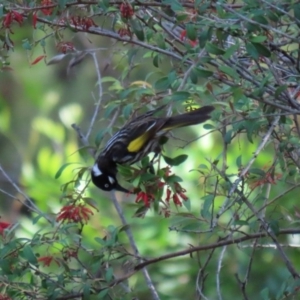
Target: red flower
7, 20
180, 191
73, 213
176, 200
83, 22
70, 253
269, 178
168, 195
126, 10
183, 37
124, 32
160, 184
47, 260
38, 59
3, 226
17, 17
145, 198
12, 16
34, 20
47, 11
65, 47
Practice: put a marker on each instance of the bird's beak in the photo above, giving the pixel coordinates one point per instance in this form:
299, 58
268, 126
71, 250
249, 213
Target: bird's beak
121, 189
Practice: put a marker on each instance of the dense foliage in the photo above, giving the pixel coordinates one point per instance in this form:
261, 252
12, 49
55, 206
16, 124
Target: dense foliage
219, 218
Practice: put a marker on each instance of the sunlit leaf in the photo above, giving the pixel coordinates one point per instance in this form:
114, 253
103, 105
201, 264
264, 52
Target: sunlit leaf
213, 49
61, 169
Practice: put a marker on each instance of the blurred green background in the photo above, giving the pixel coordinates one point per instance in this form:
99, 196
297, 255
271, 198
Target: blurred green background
39, 103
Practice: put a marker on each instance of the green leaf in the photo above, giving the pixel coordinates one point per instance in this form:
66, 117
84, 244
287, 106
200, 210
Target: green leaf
109, 274
109, 109
62, 4
155, 61
229, 71
191, 32
179, 18
26, 45
227, 137
109, 79
258, 39
203, 73
172, 76
251, 127
274, 225
162, 83
86, 291
213, 49
280, 89
194, 76
99, 136
231, 50
145, 161
136, 181
240, 222
28, 254
103, 293
239, 161
252, 51
173, 179
160, 41
125, 171
205, 36
61, 169
273, 16
137, 28
208, 126
100, 241
261, 19
163, 139
262, 50
187, 204
257, 171
205, 211
127, 110
180, 96
176, 161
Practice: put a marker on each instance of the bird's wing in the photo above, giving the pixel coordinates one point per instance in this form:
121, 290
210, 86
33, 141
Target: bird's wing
127, 142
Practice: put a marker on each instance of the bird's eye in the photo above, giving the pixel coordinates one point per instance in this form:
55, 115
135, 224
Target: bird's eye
106, 185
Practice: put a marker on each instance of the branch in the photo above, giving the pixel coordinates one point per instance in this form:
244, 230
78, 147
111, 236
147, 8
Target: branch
134, 246
214, 245
100, 94
246, 169
31, 204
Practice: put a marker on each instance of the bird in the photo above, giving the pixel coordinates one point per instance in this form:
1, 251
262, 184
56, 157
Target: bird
138, 138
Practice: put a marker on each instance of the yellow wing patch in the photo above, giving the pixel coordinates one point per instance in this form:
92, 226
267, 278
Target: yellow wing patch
137, 144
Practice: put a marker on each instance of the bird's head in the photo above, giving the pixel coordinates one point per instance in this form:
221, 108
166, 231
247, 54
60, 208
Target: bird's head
105, 181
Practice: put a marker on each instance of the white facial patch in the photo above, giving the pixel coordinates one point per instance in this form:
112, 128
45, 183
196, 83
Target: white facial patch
111, 180
96, 170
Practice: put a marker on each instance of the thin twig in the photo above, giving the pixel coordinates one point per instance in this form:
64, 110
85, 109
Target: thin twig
218, 283
31, 204
134, 246
246, 169
100, 96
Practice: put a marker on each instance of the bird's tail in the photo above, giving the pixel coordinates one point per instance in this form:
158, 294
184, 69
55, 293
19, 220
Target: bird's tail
193, 117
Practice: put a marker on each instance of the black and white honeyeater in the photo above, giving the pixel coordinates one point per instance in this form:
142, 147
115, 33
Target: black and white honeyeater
136, 139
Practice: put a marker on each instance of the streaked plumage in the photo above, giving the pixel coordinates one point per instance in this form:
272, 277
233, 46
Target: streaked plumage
136, 139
